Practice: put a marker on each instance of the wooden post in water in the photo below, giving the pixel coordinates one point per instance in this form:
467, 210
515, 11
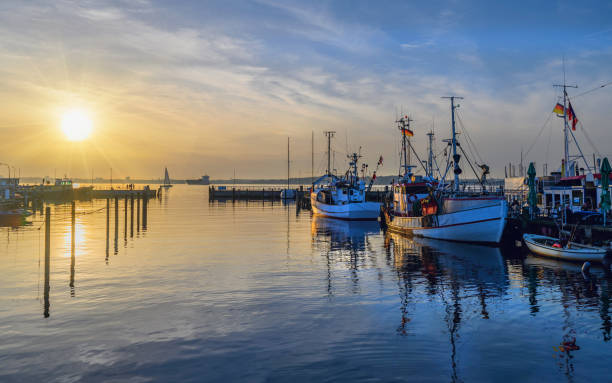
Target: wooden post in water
138, 213
125, 208
145, 202
47, 260
107, 224
233, 194
132, 216
72, 246
116, 224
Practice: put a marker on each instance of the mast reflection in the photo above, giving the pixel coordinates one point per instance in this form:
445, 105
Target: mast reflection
342, 242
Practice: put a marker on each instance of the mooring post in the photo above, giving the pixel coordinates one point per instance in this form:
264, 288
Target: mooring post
233, 194
145, 202
138, 213
116, 224
72, 243
107, 224
125, 209
131, 215
47, 259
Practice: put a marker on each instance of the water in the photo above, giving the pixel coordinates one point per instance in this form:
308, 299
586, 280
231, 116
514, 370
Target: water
261, 292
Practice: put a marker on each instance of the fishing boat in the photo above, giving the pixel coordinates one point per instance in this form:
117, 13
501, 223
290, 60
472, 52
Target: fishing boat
342, 198
166, 183
426, 207
552, 247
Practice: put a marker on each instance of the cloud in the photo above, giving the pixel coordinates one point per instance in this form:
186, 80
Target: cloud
228, 90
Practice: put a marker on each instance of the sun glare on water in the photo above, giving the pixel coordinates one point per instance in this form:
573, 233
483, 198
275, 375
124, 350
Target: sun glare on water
76, 125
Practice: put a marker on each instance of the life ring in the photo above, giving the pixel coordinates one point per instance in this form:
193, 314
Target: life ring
412, 197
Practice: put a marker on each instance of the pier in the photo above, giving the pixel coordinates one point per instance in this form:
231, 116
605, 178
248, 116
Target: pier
302, 194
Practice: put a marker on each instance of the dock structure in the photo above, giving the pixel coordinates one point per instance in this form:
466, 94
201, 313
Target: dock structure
45, 193
274, 194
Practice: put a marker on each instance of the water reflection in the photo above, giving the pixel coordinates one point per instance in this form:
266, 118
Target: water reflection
351, 303
342, 241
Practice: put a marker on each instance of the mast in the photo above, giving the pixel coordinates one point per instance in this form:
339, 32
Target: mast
430, 156
403, 124
288, 163
565, 125
329, 135
312, 158
456, 157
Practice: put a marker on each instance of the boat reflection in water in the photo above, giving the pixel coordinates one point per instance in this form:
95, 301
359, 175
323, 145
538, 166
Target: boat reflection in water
343, 235
345, 243
457, 275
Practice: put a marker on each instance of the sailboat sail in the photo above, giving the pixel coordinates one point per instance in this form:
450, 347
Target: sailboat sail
166, 177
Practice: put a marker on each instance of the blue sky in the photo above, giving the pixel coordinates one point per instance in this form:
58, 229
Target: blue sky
216, 85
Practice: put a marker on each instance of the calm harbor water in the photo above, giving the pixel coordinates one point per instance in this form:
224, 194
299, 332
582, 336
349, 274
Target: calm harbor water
263, 292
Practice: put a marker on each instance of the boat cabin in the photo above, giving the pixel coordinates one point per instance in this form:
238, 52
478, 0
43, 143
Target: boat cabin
581, 192
341, 193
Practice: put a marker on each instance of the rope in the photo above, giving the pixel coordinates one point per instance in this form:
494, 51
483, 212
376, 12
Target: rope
592, 90
469, 139
539, 134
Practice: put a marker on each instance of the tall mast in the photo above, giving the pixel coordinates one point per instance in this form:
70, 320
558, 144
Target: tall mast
403, 124
456, 157
288, 162
329, 135
430, 156
312, 158
565, 125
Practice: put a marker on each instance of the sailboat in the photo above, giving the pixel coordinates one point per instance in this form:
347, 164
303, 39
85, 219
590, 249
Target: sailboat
425, 207
288, 194
166, 183
342, 198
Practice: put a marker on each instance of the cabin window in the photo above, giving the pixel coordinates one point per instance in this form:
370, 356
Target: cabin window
566, 199
549, 201
577, 197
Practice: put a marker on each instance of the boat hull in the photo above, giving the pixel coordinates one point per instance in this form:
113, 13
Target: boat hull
359, 211
580, 254
481, 224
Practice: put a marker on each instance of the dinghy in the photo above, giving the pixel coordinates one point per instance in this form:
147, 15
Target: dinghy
551, 247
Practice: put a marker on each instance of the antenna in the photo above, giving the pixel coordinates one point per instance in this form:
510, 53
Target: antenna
329, 134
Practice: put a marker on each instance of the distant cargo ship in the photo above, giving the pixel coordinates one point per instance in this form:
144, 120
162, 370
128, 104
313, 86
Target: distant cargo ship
204, 180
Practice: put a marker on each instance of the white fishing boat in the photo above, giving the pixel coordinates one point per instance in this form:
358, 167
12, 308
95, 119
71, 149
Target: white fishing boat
167, 183
551, 247
437, 212
343, 198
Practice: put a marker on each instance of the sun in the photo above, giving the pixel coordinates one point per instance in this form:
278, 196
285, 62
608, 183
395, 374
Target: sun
76, 124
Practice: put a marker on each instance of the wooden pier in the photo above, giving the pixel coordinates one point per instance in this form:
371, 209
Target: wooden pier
274, 194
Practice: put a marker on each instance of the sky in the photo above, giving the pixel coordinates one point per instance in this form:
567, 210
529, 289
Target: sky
217, 86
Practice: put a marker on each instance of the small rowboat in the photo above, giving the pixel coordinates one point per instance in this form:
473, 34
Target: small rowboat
550, 247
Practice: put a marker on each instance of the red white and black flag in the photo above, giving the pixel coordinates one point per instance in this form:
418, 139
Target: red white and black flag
571, 115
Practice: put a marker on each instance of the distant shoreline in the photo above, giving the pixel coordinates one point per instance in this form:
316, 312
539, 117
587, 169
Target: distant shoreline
381, 180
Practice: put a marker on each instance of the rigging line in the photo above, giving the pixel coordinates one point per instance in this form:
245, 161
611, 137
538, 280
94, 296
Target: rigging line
589, 91
469, 138
470, 163
589, 139
538, 135
548, 145
417, 156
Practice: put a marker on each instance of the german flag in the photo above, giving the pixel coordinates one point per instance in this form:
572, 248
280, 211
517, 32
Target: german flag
572, 116
407, 132
558, 109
